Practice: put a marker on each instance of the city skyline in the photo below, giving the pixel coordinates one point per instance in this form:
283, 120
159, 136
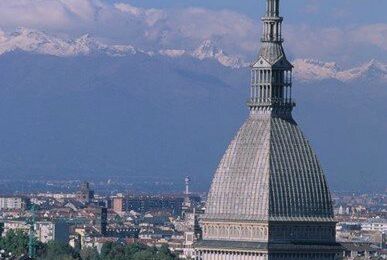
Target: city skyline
115, 114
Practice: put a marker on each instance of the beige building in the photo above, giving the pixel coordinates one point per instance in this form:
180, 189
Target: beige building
12, 203
118, 204
45, 231
15, 225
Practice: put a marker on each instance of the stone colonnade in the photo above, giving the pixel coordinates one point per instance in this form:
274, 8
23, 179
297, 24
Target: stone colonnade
238, 255
230, 255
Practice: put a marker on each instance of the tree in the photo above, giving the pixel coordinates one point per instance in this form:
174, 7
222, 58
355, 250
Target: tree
113, 251
105, 250
163, 253
89, 253
59, 250
136, 251
132, 249
1, 229
153, 253
145, 255
15, 242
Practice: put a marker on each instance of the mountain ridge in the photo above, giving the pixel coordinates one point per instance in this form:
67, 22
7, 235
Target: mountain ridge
306, 70
34, 41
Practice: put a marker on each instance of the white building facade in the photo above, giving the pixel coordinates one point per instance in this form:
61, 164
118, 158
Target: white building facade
13, 203
375, 224
45, 231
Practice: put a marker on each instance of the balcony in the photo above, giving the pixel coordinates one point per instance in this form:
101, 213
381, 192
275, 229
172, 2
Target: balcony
284, 103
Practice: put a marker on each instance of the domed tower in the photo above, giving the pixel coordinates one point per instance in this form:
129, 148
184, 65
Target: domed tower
269, 198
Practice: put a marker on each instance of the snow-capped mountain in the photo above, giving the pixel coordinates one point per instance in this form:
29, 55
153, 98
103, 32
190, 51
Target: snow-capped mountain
173, 53
208, 50
39, 42
372, 70
305, 69
309, 70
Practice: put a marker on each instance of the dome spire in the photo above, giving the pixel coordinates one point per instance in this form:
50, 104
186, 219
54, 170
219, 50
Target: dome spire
272, 8
272, 23
271, 74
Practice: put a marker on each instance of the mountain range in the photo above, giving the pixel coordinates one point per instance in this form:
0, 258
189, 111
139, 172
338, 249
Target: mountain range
79, 108
305, 69
39, 42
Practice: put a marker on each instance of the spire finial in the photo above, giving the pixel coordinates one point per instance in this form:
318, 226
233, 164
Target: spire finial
272, 8
272, 22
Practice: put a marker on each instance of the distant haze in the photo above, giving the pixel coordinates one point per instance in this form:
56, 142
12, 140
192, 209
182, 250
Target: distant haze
141, 116
155, 90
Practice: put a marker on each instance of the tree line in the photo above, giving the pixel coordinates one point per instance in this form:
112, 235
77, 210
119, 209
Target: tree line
15, 246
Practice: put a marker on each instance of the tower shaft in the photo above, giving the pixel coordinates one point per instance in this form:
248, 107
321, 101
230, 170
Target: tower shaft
272, 8
272, 23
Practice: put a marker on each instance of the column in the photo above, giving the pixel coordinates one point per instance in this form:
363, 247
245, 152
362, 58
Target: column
275, 7
268, 8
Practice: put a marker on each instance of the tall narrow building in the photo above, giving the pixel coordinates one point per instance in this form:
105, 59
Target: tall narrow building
269, 198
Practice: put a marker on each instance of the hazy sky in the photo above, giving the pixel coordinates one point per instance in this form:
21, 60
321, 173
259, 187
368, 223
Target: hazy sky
346, 31
317, 12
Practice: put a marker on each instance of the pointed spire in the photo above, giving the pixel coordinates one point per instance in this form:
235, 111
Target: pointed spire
272, 8
271, 75
272, 22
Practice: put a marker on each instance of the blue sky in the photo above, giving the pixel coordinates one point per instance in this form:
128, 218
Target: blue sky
322, 12
345, 31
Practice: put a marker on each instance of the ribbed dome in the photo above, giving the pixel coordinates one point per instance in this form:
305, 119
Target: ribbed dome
269, 173
269, 198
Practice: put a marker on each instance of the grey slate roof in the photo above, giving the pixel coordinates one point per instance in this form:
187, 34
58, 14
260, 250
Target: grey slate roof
269, 172
272, 52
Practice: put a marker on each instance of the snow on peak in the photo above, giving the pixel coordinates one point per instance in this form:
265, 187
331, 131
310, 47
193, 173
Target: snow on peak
309, 70
88, 45
371, 70
173, 53
208, 50
33, 41
38, 42
326, 65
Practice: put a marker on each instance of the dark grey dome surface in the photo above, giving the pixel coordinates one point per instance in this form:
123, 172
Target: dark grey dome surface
269, 172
